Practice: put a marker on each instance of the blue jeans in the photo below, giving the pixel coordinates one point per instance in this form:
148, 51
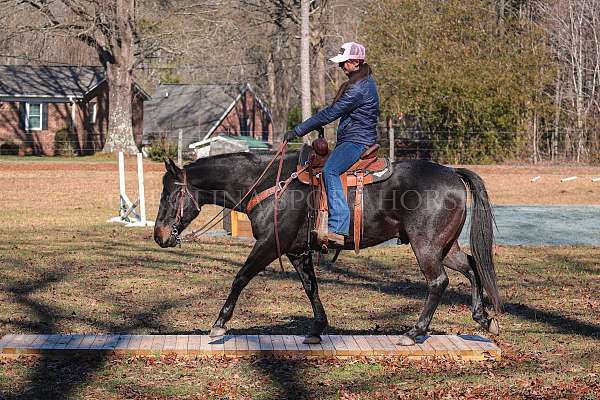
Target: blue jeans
342, 157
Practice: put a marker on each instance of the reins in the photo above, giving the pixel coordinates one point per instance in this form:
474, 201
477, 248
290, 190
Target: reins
194, 235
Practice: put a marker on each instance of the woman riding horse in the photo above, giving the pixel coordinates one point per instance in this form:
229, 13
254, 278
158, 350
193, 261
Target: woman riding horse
357, 104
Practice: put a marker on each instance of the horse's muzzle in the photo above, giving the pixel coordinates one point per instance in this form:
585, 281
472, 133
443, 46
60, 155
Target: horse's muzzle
163, 236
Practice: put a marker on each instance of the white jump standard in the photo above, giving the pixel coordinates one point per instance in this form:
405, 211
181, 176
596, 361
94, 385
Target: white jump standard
132, 214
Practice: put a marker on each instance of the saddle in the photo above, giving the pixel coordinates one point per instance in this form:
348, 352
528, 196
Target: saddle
367, 170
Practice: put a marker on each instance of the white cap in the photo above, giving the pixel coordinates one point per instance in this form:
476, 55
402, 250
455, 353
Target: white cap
349, 51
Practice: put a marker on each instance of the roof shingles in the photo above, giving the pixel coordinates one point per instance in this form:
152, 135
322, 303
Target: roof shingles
48, 81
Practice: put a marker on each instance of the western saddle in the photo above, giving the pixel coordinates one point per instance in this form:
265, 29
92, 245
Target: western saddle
367, 170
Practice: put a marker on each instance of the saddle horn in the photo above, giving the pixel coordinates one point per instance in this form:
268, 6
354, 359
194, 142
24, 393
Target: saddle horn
320, 145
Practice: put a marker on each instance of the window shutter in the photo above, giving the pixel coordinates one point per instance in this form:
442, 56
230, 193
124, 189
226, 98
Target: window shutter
44, 116
22, 115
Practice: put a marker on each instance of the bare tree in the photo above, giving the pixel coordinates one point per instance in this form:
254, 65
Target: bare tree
574, 30
114, 33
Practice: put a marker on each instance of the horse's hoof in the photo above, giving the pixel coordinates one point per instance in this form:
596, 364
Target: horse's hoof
494, 328
406, 341
312, 340
217, 331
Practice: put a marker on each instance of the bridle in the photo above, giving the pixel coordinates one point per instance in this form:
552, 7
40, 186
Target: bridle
183, 192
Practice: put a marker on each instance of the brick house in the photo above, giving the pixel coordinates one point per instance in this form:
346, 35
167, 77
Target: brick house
203, 112
44, 108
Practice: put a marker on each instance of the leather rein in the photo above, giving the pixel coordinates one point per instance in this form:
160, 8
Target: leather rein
277, 190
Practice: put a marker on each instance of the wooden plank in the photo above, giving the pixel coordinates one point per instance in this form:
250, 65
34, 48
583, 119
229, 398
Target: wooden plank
216, 346
427, 347
86, 342
327, 346
278, 346
291, 348
464, 350
110, 342
309, 349
440, 348
241, 345
6, 339
266, 346
414, 351
75, 343
99, 342
386, 345
303, 349
453, 350
339, 344
229, 345
253, 344
49, 343
158, 343
363, 345
122, 344
352, 348
181, 344
469, 351
62, 342
145, 346
197, 345
26, 345
25, 340
375, 344
135, 344
11, 343
170, 343
489, 348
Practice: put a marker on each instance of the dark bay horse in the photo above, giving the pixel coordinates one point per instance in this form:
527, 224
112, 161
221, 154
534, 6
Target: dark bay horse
422, 204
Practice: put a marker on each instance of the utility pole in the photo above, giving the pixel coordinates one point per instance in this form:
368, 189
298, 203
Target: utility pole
305, 61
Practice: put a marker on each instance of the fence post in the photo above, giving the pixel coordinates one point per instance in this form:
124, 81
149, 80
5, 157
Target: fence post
180, 149
390, 129
140, 172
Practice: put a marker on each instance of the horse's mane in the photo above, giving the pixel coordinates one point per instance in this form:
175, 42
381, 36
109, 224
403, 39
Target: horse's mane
255, 158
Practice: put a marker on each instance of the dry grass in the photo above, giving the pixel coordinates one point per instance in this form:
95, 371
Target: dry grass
62, 269
512, 184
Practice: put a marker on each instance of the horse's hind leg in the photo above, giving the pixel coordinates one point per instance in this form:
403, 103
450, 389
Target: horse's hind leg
430, 262
459, 261
306, 271
260, 256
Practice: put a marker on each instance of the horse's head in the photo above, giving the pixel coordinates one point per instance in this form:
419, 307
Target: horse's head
178, 206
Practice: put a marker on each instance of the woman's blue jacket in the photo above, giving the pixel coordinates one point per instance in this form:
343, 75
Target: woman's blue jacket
358, 109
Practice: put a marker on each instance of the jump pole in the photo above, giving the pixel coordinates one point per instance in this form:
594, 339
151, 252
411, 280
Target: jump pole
132, 214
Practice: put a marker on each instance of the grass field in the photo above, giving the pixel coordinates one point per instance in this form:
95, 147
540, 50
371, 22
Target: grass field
63, 270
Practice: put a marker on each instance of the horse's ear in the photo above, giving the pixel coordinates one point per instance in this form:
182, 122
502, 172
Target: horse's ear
171, 167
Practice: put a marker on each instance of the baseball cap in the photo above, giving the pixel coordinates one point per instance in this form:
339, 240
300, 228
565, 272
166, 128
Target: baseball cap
349, 51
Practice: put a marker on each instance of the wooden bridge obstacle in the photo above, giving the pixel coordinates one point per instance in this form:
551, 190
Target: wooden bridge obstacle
458, 347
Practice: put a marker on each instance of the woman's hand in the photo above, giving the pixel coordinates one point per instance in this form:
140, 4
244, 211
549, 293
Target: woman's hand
289, 135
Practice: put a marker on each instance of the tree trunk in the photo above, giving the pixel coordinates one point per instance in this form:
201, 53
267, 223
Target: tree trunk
557, 109
119, 76
305, 62
120, 130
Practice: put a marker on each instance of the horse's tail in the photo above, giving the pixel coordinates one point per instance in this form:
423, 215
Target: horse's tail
481, 237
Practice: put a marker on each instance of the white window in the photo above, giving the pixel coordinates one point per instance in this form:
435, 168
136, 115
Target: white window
34, 116
92, 112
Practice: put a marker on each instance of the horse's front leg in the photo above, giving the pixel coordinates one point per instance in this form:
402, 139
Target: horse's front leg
260, 256
305, 268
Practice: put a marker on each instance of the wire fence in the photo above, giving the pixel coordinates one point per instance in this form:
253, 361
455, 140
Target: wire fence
439, 145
